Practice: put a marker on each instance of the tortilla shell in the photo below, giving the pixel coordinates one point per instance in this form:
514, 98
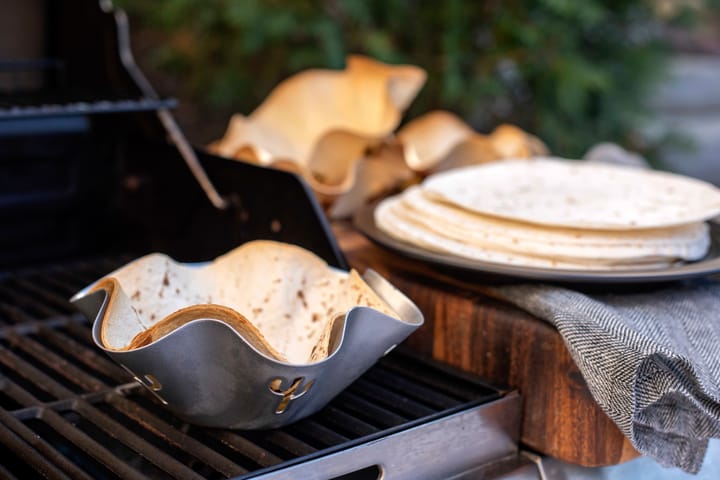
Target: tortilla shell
322, 121
195, 312
282, 298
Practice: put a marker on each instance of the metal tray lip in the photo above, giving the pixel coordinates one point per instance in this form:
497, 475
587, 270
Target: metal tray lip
364, 221
354, 314
477, 405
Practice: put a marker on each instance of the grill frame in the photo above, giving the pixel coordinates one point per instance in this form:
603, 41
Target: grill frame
58, 391
87, 170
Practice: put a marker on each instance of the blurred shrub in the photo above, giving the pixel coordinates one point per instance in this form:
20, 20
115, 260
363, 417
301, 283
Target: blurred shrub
572, 72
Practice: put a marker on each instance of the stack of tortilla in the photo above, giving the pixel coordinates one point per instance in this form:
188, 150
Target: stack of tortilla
550, 212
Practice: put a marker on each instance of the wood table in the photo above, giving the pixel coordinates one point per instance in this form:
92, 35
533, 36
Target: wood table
497, 341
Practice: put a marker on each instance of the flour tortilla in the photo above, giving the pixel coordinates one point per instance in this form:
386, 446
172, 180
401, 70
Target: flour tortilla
282, 298
416, 234
394, 225
556, 192
687, 242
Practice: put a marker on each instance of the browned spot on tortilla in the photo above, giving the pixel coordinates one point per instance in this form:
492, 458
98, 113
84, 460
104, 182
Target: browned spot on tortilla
266, 299
301, 296
136, 295
152, 316
177, 291
315, 317
257, 310
277, 280
287, 315
166, 279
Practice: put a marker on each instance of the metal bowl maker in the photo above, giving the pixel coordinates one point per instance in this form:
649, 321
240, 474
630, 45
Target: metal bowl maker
207, 373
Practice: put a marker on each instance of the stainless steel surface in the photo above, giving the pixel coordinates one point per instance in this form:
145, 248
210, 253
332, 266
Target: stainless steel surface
208, 374
440, 450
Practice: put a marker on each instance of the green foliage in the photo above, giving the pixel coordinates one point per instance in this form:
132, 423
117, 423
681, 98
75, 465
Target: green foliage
572, 72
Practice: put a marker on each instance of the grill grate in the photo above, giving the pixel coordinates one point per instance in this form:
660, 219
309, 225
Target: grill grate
10, 110
67, 410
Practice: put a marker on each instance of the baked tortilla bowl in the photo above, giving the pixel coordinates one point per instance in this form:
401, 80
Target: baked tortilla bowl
212, 365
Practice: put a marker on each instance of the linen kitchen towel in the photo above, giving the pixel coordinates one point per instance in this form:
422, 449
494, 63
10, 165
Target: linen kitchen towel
651, 360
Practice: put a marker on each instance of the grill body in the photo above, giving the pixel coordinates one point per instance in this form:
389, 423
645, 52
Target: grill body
88, 182
68, 409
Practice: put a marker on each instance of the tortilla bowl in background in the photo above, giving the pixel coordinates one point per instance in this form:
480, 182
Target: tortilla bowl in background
260, 337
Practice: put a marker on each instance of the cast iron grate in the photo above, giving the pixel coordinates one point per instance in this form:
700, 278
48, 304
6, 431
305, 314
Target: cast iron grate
68, 411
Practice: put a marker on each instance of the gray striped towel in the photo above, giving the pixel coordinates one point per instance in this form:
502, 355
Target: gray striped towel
651, 360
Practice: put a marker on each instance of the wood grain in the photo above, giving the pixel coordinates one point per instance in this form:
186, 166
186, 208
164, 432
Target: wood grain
497, 341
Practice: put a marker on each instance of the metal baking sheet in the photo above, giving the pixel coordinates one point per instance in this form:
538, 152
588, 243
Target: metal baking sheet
496, 272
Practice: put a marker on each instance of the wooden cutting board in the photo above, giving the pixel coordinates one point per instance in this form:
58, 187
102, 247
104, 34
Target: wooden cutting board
505, 345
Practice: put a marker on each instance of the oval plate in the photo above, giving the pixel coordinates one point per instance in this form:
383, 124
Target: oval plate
364, 221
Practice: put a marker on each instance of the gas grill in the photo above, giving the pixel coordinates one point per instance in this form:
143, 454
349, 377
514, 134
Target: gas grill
93, 173
68, 410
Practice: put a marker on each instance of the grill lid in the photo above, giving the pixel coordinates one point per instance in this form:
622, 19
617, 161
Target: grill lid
92, 161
